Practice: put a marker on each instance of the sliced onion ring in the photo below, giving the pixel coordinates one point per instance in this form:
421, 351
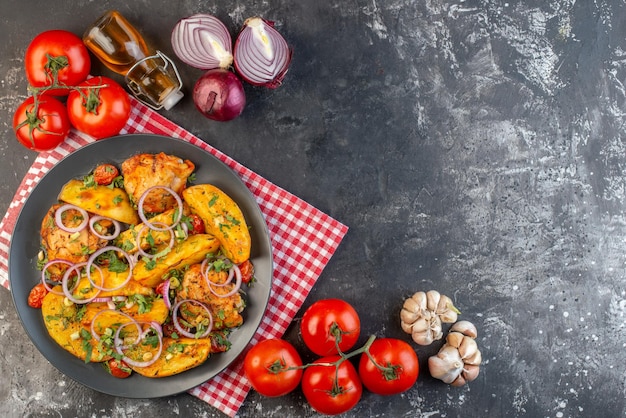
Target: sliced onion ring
138, 240
58, 218
233, 272
202, 41
176, 320
91, 263
95, 335
141, 335
98, 218
44, 280
142, 215
261, 55
68, 292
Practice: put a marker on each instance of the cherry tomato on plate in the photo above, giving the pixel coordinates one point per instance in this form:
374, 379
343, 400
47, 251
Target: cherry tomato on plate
118, 368
327, 321
41, 123
56, 57
99, 107
104, 174
399, 363
272, 367
329, 389
36, 295
247, 271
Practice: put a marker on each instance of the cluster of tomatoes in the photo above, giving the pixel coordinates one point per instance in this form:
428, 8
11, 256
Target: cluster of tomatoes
57, 65
332, 384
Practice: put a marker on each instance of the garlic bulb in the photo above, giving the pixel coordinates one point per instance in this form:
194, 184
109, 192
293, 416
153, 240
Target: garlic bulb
423, 313
458, 361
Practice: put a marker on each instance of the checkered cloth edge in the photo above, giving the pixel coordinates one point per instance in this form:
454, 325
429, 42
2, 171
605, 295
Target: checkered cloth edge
303, 241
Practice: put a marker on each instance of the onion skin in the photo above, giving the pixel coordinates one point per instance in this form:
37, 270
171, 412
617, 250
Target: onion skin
261, 54
219, 95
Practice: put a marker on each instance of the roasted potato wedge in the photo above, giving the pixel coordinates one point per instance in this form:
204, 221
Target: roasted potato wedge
112, 280
185, 253
128, 238
178, 355
63, 323
101, 200
157, 313
222, 218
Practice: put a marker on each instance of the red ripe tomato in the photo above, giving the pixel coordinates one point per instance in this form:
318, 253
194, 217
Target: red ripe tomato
104, 174
331, 389
399, 363
327, 321
41, 124
268, 366
56, 57
99, 107
118, 368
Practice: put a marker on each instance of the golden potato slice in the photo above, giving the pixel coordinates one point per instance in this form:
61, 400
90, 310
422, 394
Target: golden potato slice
178, 355
64, 326
158, 312
101, 200
128, 239
112, 280
222, 218
185, 253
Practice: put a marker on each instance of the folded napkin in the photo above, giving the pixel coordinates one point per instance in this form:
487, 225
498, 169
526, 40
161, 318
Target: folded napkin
303, 240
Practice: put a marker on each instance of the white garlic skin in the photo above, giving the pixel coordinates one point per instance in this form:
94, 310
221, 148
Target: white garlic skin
458, 361
423, 313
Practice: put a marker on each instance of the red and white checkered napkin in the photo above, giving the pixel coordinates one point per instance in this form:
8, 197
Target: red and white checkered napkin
303, 240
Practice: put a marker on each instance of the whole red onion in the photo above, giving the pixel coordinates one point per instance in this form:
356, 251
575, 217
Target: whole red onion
218, 94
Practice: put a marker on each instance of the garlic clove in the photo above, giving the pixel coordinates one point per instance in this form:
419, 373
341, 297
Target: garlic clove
470, 372
459, 381
475, 359
468, 347
432, 300
454, 339
447, 365
465, 328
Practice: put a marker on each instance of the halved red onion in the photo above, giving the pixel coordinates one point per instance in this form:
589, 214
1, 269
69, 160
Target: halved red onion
58, 218
202, 41
176, 320
261, 56
142, 215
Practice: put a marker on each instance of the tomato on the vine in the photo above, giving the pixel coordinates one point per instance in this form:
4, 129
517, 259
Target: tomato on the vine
41, 123
327, 321
398, 371
331, 389
99, 107
273, 367
56, 58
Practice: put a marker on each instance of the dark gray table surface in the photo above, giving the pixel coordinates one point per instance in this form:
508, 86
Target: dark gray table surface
472, 147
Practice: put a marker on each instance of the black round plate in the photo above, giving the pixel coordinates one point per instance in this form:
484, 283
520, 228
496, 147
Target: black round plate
25, 245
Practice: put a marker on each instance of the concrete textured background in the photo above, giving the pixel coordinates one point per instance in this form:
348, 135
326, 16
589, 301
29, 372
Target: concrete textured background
473, 147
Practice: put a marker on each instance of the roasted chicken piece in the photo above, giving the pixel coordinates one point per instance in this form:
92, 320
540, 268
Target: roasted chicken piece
75, 247
226, 311
147, 170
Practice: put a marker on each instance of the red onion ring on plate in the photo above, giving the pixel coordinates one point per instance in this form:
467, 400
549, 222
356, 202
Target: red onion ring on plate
44, 280
138, 240
142, 215
95, 335
58, 218
176, 320
233, 271
91, 263
119, 347
68, 292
